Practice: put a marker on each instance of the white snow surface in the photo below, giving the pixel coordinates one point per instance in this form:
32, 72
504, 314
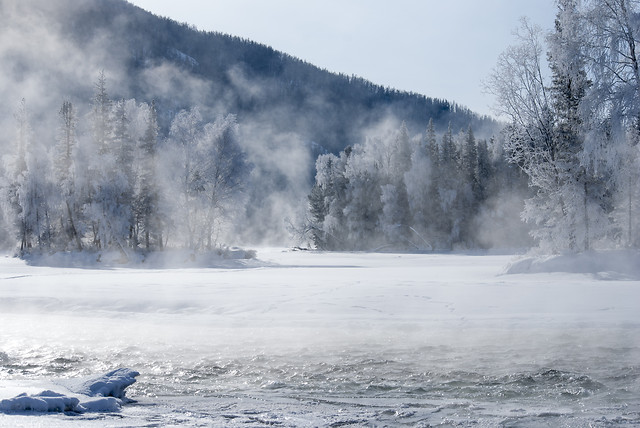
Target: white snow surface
306, 338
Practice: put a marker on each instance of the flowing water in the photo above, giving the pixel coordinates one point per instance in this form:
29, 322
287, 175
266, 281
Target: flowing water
572, 385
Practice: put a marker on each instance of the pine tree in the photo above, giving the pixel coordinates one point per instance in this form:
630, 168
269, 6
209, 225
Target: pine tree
395, 217
469, 187
102, 124
484, 172
18, 186
148, 194
569, 86
108, 217
122, 175
65, 176
329, 200
449, 190
434, 209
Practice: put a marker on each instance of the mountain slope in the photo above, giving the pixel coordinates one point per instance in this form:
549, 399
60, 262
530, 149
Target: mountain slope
149, 57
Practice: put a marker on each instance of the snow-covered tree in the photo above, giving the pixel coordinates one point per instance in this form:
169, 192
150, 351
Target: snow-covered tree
421, 191
149, 219
568, 88
545, 135
208, 168
612, 29
106, 182
17, 186
64, 164
30, 187
365, 219
328, 200
181, 163
450, 191
395, 218
222, 171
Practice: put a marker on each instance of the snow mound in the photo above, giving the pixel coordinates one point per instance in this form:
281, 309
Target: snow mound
111, 384
609, 265
46, 401
104, 393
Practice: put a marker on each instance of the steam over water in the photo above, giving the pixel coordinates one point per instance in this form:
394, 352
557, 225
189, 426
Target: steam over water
331, 340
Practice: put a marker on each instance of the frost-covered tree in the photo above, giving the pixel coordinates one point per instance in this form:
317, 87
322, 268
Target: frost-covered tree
113, 182
576, 136
107, 180
328, 199
543, 137
64, 164
208, 168
484, 171
30, 187
123, 174
395, 218
469, 198
568, 88
434, 208
222, 170
149, 219
101, 116
18, 172
612, 29
421, 191
450, 191
181, 162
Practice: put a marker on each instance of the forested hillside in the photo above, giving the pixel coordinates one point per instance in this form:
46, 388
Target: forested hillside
56, 58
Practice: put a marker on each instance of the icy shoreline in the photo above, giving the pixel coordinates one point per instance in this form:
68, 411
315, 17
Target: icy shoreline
227, 257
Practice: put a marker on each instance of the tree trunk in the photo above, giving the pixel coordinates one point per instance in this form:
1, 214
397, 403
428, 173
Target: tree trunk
74, 232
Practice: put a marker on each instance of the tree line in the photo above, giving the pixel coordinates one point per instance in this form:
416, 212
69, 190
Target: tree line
111, 181
424, 193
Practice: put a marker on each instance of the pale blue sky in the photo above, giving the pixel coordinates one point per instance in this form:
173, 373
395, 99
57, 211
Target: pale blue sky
442, 49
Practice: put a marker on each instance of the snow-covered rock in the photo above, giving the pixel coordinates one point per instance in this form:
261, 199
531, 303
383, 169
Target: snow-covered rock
104, 393
46, 401
111, 384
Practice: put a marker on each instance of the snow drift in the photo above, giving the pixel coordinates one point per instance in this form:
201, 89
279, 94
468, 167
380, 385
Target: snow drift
619, 264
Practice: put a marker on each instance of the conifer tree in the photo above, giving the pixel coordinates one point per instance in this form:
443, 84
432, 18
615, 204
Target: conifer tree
18, 186
568, 88
65, 173
148, 194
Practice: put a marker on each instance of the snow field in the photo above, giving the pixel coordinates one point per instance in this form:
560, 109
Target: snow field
348, 330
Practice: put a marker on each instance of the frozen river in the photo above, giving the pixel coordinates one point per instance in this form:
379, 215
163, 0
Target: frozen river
300, 338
